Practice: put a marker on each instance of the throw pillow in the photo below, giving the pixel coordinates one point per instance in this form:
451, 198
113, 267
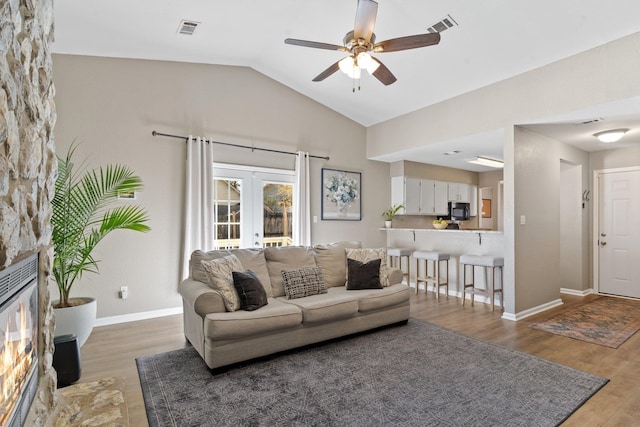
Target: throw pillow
250, 290
363, 275
220, 276
303, 282
366, 255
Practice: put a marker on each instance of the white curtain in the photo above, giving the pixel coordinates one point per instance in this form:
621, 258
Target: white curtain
302, 202
198, 208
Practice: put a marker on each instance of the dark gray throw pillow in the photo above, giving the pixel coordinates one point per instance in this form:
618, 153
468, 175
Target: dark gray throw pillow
363, 275
303, 282
250, 290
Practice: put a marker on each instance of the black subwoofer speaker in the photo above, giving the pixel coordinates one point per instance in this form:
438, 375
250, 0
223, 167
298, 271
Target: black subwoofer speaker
66, 359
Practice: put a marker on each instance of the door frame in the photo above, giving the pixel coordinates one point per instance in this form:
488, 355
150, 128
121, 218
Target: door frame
596, 220
247, 197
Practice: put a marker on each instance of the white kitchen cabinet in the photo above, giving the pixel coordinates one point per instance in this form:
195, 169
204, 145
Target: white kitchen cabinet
434, 198
412, 196
419, 196
406, 191
397, 192
458, 192
473, 200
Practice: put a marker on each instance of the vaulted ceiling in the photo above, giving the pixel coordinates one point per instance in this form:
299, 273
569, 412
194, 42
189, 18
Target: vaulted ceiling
493, 40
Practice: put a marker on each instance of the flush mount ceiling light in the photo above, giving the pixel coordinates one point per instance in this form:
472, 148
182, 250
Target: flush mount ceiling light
485, 161
612, 135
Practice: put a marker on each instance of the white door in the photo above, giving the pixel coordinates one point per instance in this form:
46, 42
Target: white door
619, 233
253, 208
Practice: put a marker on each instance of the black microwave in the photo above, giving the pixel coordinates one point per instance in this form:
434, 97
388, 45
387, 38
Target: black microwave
459, 211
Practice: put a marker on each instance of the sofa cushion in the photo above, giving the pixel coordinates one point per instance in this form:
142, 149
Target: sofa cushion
195, 263
286, 258
254, 260
332, 258
250, 291
303, 282
366, 255
376, 299
324, 308
363, 275
273, 317
220, 276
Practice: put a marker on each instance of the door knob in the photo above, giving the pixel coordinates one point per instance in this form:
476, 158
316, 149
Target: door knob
603, 235
603, 243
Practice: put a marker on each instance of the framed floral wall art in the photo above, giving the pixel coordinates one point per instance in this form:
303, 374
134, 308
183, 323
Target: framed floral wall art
341, 195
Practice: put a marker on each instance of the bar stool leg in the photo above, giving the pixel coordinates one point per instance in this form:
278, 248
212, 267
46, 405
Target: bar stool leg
446, 265
408, 270
463, 270
436, 276
490, 287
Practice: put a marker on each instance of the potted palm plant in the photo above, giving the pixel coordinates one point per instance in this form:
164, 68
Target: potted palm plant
83, 215
390, 213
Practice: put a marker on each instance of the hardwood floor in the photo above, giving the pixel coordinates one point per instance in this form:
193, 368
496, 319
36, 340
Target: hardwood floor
111, 351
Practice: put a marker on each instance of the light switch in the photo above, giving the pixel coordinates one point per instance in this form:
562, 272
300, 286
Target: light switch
523, 220
315, 219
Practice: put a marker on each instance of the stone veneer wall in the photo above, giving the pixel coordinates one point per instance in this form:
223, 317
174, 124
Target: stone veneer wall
28, 163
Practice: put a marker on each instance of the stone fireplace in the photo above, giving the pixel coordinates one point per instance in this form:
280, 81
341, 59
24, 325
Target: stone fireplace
18, 340
28, 167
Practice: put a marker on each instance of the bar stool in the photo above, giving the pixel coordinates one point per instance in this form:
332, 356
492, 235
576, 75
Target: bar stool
396, 254
487, 262
437, 258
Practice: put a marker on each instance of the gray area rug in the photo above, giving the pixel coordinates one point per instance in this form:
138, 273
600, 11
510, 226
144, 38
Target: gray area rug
414, 375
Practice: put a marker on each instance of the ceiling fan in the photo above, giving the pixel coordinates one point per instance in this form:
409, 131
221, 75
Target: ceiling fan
361, 41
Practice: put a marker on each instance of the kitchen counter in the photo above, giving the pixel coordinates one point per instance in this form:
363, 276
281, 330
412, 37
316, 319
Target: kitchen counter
444, 230
453, 242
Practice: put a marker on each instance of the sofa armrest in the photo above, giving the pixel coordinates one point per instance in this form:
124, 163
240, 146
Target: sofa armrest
201, 297
395, 276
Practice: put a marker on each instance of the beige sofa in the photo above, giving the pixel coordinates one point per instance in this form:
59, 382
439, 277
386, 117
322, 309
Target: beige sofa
223, 338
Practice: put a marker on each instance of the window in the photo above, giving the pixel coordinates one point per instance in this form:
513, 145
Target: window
253, 207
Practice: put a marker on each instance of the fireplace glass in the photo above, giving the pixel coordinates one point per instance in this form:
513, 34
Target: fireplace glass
18, 345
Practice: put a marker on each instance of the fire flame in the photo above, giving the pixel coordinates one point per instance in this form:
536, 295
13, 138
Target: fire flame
16, 359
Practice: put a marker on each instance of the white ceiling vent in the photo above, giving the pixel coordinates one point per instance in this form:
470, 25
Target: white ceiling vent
187, 27
442, 25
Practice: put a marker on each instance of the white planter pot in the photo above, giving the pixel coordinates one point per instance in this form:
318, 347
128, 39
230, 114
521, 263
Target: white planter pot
387, 224
77, 320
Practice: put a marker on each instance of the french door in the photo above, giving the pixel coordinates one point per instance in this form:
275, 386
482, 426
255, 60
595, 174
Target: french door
253, 207
618, 231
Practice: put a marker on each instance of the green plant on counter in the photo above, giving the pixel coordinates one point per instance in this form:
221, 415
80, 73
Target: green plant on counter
391, 212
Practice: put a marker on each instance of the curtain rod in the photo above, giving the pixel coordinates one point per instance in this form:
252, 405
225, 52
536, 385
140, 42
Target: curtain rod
186, 138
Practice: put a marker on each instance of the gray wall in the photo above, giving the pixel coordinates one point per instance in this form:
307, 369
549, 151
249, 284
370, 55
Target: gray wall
537, 198
111, 106
604, 74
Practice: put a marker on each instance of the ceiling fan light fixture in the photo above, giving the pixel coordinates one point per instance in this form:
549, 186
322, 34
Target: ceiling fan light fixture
485, 161
609, 136
348, 66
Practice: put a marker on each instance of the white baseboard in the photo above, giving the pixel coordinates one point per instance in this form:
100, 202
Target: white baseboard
112, 320
532, 311
576, 292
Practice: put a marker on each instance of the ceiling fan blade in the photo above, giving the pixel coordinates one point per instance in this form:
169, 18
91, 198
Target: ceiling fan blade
317, 45
326, 73
383, 74
365, 19
408, 42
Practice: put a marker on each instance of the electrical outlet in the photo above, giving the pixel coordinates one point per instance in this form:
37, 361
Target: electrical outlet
124, 292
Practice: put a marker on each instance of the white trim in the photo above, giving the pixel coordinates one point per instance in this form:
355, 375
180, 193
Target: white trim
576, 292
245, 168
133, 317
532, 311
